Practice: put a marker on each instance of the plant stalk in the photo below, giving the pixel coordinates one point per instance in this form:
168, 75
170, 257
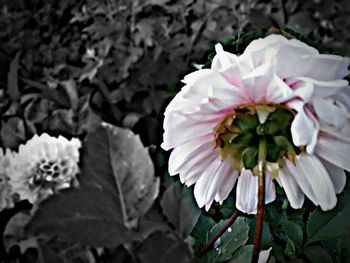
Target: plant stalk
261, 199
221, 231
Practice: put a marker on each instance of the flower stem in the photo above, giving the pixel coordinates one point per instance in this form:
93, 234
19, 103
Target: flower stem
261, 198
222, 230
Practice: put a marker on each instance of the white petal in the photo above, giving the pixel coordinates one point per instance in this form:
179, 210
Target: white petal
334, 151
264, 255
302, 129
330, 112
208, 184
301, 179
337, 175
183, 153
325, 88
319, 180
247, 192
222, 60
179, 129
293, 191
278, 91
227, 185
194, 76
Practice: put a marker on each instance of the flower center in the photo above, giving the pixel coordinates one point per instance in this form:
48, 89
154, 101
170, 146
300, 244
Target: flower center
237, 136
49, 174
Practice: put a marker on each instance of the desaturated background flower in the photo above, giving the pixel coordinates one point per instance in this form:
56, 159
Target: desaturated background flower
280, 88
43, 166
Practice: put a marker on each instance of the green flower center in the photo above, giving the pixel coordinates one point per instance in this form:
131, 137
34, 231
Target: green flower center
239, 133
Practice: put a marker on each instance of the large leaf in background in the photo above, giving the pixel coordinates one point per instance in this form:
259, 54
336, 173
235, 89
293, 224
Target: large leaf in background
134, 172
161, 248
95, 214
180, 208
331, 224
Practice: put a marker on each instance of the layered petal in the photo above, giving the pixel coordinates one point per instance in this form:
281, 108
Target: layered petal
247, 192
313, 175
208, 185
294, 193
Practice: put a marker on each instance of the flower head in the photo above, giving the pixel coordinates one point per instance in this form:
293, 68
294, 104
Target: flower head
43, 166
281, 90
6, 198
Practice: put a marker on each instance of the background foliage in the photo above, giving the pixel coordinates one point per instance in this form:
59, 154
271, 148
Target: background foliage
66, 66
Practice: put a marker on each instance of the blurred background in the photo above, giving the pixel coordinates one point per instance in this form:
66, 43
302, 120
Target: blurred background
68, 64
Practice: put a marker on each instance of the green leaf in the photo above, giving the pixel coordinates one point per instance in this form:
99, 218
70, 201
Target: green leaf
289, 249
243, 255
293, 231
12, 79
204, 224
331, 224
96, 214
233, 238
266, 238
317, 254
180, 208
250, 157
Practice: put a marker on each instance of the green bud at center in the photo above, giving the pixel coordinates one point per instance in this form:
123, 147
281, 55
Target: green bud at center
238, 135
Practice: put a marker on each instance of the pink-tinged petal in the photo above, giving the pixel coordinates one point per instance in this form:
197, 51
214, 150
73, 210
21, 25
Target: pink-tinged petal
181, 104
332, 132
304, 90
222, 60
325, 88
318, 177
194, 76
301, 179
331, 112
247, 192
178, 129
293, 62
343, 97
294, 194
337, 175
227, 185
302, 129
214, 86
210, 181
233, 76
263, 49
334, 151
193, 168
186, 152
278, 91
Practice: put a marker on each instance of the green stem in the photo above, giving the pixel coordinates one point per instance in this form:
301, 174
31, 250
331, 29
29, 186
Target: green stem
261, 199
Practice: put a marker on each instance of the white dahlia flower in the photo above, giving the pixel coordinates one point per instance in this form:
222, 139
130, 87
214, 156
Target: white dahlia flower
43, 166
6, 197
281, 90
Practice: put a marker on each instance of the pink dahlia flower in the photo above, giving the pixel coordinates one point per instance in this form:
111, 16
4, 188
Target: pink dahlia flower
283, 90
